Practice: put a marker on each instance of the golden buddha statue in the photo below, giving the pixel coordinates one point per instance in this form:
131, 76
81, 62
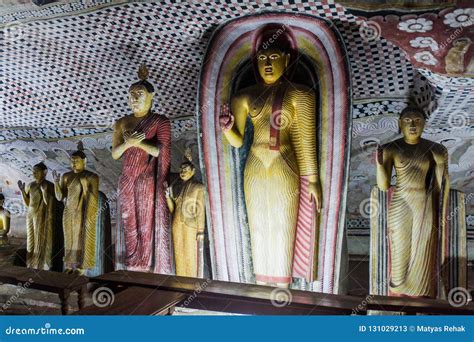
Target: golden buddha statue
38, 196
188, 212
4, 223
281, 181
421, 168
143, 141
79, 189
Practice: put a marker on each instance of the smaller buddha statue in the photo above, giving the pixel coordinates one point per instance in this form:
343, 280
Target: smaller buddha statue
79, 190
38, 197
188, 211
422, 183
4, 223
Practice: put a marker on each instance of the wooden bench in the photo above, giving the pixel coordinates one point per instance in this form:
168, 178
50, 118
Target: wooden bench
260, 300
231, 297
137, 301
61, 283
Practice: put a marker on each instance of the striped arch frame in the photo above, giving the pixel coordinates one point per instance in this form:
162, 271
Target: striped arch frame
222, 170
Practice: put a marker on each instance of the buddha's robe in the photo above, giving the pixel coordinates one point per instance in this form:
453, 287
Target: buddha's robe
144, 214
80, 193
40, 225
282, 219
188, 221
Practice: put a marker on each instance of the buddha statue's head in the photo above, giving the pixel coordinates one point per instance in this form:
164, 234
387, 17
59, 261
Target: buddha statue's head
78, 161
274, 51
411, 123
140, 94
39, 172
2, 200
187, 171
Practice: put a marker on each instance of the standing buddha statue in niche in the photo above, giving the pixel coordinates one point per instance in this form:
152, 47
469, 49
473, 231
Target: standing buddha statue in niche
79, 189
4, 222
143, 140
421, 168
188, 212
40, 200
281, 181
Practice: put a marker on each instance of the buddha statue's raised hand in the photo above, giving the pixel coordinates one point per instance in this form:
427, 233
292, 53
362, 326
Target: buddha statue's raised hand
226, 119
21, 185
56, 176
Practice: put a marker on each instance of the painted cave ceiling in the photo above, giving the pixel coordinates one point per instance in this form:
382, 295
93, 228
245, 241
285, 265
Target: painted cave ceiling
66, 67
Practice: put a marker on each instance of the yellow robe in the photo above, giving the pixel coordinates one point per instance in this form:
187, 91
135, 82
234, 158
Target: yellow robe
272, 181
39, 226
188, 220
80, 219
413, 223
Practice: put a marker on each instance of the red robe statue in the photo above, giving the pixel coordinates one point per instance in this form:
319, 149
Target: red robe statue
143, 213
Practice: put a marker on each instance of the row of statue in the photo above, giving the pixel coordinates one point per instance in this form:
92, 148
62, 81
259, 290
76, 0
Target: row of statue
281, 183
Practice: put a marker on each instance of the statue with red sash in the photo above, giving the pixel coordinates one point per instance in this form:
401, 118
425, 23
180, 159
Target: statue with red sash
143, 140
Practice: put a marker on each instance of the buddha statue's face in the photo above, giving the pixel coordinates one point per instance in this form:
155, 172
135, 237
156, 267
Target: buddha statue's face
186, 172
412, 125
78, 164
272, 64
39, 174
140, 100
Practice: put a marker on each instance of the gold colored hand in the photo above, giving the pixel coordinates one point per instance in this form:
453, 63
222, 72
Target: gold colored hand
56, 176
21, 185
315, 193
133, 139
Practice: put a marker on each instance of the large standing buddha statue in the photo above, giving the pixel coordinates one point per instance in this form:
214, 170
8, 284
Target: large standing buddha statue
142, 140
281, 181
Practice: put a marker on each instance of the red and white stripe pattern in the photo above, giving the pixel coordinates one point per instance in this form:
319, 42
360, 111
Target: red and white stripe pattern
304, 262
144, 216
